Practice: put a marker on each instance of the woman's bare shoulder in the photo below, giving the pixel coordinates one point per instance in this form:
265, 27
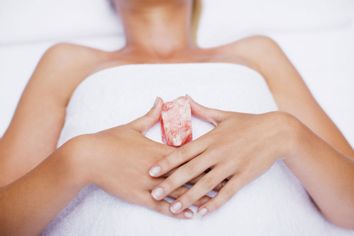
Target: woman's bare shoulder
250, 51
72, 55
255, 43
64, 66
74, 58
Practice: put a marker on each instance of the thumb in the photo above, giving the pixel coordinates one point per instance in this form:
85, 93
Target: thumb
211, 115
142, 124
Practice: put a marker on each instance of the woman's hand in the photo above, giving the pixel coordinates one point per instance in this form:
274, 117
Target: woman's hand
118, 160
240, 148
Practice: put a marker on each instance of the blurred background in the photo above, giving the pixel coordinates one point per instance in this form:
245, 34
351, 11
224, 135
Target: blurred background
317, 35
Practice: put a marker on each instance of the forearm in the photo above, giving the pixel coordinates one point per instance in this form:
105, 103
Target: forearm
31, 202
31, 137
36, 125
293, 96
327, 175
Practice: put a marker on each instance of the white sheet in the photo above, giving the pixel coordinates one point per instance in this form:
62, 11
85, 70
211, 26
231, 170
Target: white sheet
275, 204
39, 20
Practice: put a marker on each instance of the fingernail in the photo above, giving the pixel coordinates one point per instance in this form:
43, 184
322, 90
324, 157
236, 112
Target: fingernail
188, 214
202, 212
157, 193
154, 171
176, 207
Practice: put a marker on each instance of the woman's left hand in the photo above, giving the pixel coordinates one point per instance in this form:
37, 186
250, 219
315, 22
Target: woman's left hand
240, 148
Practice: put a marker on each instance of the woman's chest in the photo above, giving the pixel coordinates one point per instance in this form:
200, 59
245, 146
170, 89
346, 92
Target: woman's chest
119, 95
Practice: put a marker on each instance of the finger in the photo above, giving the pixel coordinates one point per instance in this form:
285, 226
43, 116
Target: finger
153, 182
163, 208
197, 203
224, 195
182, 190
216, 189
202, 201
192, 181
142, 124
221, 185
168, 173
164, 149
183, 175
160, 149
214, 116
196, 179
200, 189
179, 192
179, 156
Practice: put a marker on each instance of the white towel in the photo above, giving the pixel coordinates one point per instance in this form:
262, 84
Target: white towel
273, 204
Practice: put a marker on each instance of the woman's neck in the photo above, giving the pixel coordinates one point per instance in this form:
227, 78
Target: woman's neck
160, 30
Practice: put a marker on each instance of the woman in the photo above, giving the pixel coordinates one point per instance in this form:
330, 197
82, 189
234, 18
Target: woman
34, 172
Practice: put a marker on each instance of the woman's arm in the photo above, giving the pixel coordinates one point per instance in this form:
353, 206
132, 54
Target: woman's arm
289, 89
326, 173
39, 117
243, 146
31, 202
319, 156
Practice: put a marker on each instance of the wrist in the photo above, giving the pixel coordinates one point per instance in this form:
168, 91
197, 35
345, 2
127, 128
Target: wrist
290, 135
72, 155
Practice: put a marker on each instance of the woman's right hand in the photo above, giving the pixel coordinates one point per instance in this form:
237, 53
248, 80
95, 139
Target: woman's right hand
118, 160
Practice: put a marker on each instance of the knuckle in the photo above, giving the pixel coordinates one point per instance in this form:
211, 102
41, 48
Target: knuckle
170, 184
179, 155
165, 149
188, 198
189, 170
173, 160
214, 153
167, 163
